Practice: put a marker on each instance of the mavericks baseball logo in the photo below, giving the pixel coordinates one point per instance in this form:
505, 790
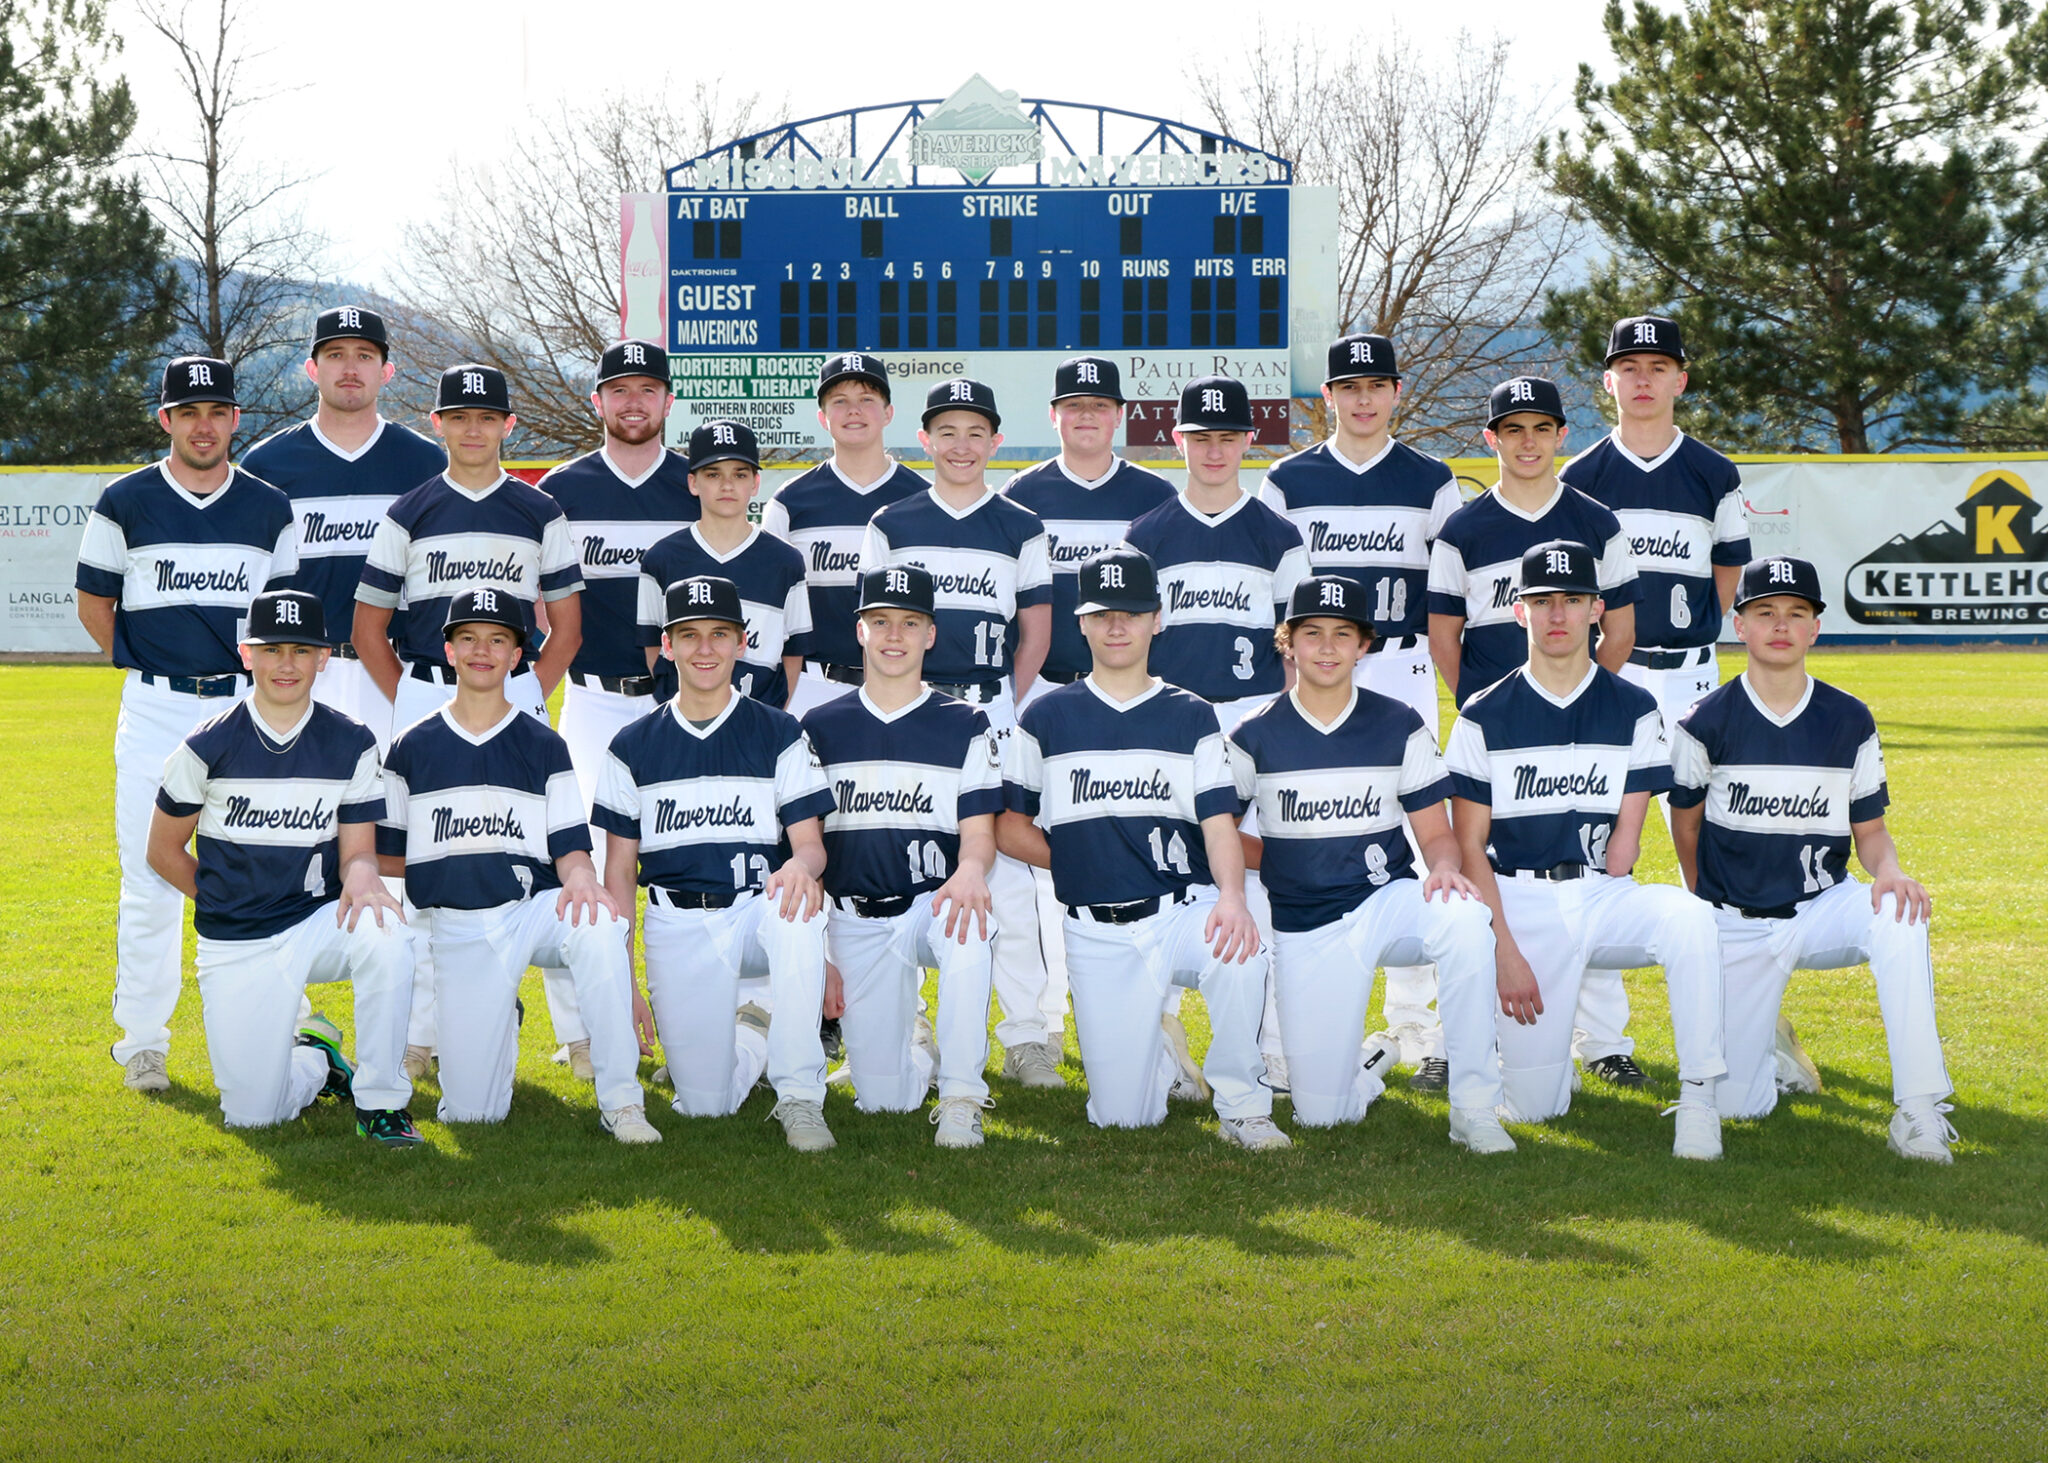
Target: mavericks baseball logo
977, 130
1991, 568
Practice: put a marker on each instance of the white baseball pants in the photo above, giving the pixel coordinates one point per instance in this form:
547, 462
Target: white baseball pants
1409, 676
347, 687
481, 954
1050, 918
1324, 977
1122, 976
1836, 928
882, 962
696, 959
1021, 977
1561, 929
149, 925
250, 993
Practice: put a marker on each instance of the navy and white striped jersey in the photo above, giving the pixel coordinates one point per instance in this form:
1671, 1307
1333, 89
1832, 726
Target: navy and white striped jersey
823, 515
1371, 521
1081, 520
1682, 513
1332, 800
1781, 793
614, 520
987, 562
901, 783
182, 568
480, 820
769, 575
1554, 771
709, 807
1223, 586
340, 498
270, 808
1121, 788
1475, 567
439, 541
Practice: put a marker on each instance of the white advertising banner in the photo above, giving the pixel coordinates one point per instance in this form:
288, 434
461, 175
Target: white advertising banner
42, 518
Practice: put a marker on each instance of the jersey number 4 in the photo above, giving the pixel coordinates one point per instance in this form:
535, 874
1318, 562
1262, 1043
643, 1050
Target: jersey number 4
1169, 855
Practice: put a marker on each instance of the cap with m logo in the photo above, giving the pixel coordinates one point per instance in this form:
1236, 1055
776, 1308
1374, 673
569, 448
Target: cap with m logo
1645, 335
703, 597
853, 366
1780, 574
473, 384
349, 322
1524, 393
1330, 597
1087, 376
1559, 567
1214, 404
961, 394
286, 617
723, 441
898, 587
487, 607
191, 379
1118, 579
633, 358
1355, 357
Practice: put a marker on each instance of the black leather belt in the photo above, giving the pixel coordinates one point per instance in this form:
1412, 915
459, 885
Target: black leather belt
1670, 660
1131, 913
444, 675
876, 908
229, 685
678, 899
1555, 874
845, 675
1061, 678
1397, 642
975, 693
1776, 911
617, 685
346, 651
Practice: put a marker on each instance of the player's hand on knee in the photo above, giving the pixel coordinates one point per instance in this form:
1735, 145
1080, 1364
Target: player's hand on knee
797, 893
964, 895
1448, 882
1520, 997
361, 890
582, 898
835, 993
1232, 932
643, 1021
1915, 904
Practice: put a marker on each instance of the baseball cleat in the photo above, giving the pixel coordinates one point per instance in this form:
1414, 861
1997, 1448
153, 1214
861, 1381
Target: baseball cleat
840, 1076
1259, 1135
1189, 1085
922, 1037
1698, 1130
318, 1031
629, 1124
831, 1040
660, 1077
1480, 1131
803, 1124
419, 1060
1414, 1040
579, 1061
144, 1072
1382, 1050
1919, 1130
1029, 1065
1056, 1047
391, 1127
1796, 1070
1618, 1071
959, 1121
1432, 1074
754, 1019
1276, 1076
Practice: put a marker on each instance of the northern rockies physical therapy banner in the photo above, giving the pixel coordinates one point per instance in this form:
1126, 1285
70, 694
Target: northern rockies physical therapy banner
1908, 547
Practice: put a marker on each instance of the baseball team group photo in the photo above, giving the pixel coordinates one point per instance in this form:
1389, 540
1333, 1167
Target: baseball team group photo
1051, 835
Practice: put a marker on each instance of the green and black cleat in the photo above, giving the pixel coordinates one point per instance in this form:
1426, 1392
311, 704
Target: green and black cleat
318, 1031
390, 1126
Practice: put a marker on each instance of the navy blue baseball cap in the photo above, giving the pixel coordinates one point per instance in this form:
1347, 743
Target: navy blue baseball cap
349, 322
898, 587
1355, 356
1524, 393
633, 358
723, 441
1645, 335
703, 597
961, 394
1214, 404
473, 385
1330, 596
1118, 579
1780, 574
192, 379
488, 607
853, 366
1087, 376
286, 617
1559, 567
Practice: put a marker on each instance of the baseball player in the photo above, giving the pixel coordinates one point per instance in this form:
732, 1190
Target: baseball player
472, 526
987, 558
1333, 768
1475, 636
1680, 505
1121, 785
483, 820
169, 561
343, 468
725, 473
1368, 507
1087, 498
1776, 774
698, 802
1552, 768
284, 796
917, 780
823, 514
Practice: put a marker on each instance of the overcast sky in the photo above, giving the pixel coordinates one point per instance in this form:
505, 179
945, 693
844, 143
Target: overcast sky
389, 93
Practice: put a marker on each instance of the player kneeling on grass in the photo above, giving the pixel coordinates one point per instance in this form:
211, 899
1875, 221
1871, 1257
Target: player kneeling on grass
917, 779
1121, 785
696, 800
285, 795
485, 823
1552, 769
1776, 774
1332, 769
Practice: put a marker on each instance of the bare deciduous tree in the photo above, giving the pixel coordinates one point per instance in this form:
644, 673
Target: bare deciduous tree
521, 270
1448, 235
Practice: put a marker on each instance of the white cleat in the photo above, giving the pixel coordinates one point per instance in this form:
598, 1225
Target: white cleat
1189, 1085
660, 1077
419, 1060
1029, 1064
630, 1125
1276, 1072
144, 1072
1698, 1130
1380, 1054
959, 1121
1796, 1070
1920, 1130
1414, 1043
1260, 1135
803, 1124
922, 1037
576, 1057
840, 1076
1480, 1131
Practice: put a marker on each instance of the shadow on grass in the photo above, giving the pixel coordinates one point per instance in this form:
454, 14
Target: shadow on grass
1047, 1184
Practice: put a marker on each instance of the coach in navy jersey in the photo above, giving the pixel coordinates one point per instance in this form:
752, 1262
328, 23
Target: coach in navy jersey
823, 514
712, 803
1368, 508
725, 473
343, 468
169, 561
1474, 635
1777, 775
917, 782
284, 796
1552, 768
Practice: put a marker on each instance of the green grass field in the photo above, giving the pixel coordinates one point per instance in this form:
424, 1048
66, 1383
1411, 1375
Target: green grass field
172, 1290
